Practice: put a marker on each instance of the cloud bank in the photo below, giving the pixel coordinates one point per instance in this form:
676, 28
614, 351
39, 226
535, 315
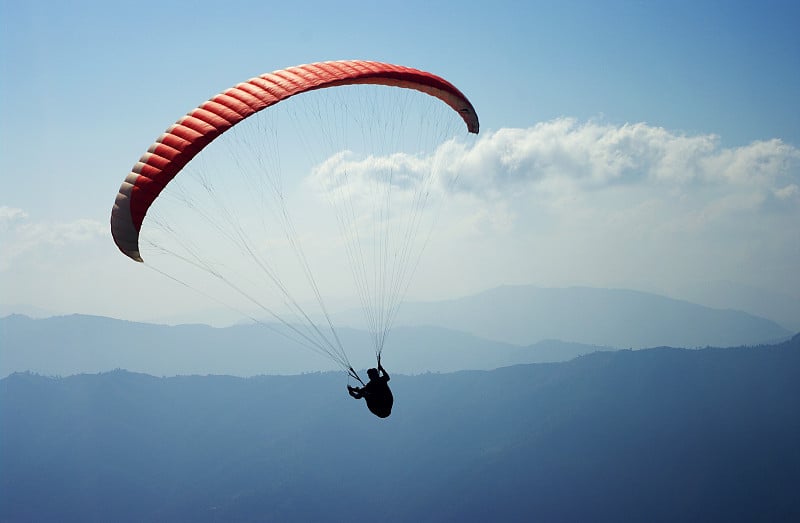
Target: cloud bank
19, 235
593, 156
568, 202
637, 205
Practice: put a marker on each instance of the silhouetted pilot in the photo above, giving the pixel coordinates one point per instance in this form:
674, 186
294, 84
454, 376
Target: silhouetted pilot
376, 392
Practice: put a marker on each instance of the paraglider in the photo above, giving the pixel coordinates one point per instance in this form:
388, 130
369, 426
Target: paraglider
376, 392
382, 254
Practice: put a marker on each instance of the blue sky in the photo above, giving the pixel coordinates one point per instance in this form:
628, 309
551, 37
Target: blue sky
700, 98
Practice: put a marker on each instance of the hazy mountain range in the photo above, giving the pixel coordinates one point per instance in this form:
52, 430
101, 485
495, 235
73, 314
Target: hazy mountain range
505, 326
66, 345
657, 435
610, 317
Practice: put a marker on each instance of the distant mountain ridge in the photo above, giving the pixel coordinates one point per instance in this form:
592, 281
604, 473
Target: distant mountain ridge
67, 345
609, 317
496, 328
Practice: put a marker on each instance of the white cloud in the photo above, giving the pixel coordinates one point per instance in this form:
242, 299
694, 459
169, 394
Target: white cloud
19, 235
568, 165
788, 192
596, 155
9, 216
402, 171
576, 166
630, 204
632, 182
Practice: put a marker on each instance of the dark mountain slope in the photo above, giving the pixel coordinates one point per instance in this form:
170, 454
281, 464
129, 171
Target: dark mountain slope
653, 435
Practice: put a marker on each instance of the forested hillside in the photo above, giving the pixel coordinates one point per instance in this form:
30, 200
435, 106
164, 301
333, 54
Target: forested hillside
654, 435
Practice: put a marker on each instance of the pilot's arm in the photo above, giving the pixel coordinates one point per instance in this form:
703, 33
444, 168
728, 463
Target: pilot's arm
385, 374
355, 392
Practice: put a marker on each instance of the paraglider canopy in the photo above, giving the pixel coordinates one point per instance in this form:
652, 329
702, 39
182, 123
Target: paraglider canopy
189, 135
